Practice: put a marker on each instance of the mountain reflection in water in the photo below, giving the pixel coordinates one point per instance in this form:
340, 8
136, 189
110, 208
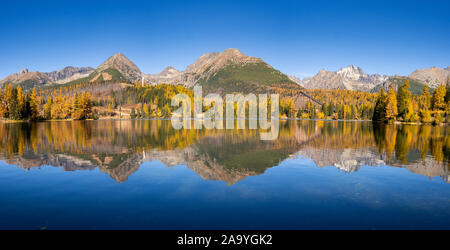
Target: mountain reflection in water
119, 147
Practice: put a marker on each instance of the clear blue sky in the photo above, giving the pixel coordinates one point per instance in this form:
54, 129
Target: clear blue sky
296, 37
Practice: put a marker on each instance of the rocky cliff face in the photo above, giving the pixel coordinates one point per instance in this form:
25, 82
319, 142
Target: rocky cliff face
350, 78
433, 76
324, 80
296, 80
68, 73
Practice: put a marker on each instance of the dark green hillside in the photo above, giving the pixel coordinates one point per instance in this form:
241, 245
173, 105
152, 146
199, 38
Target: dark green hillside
115, 74
30, 84
249, 78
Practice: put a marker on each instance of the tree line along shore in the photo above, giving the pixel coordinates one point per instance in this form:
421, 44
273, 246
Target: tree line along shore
113, 101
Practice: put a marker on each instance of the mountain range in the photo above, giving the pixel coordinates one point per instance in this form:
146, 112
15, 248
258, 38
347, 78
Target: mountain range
354, 78
28, 78
351, 78
228, 71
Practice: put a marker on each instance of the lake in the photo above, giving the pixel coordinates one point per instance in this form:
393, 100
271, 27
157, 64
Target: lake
143, 174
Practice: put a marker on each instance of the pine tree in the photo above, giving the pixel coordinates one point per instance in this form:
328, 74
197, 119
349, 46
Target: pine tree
424, 105
425, 115
83, 106
391, 104
146, 110
403, 99
133, 113
353, 112
290, 103
14, 109
34, 108
410, 116
340, 112
165, 112
2, 104
21, 102
7, 98
426, 97
86, 105
48, 109
438, 99
109, 108
77, 109
447, 109
379, 113
330, 109
447, 94
58, 110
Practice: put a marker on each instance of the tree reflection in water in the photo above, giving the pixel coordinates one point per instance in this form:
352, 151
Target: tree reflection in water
118, 147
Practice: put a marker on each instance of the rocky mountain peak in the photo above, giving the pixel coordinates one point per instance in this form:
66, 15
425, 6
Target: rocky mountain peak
235, 56
170, 69
169, 75
233, 52
24, 71
118, 60
169, 72
351, 69
122, 64
351, 72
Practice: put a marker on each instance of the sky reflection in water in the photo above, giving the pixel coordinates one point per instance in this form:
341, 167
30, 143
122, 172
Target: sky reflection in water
143, 174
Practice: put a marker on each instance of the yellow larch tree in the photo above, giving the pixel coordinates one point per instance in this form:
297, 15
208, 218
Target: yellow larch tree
391, 104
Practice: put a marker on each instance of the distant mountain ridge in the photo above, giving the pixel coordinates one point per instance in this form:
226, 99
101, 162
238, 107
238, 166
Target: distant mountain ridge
354, 78
351, 78
167, 75
228, 71
66, 74
433, 76
29, 78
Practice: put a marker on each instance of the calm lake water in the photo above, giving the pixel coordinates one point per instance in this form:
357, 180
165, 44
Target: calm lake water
146, 175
